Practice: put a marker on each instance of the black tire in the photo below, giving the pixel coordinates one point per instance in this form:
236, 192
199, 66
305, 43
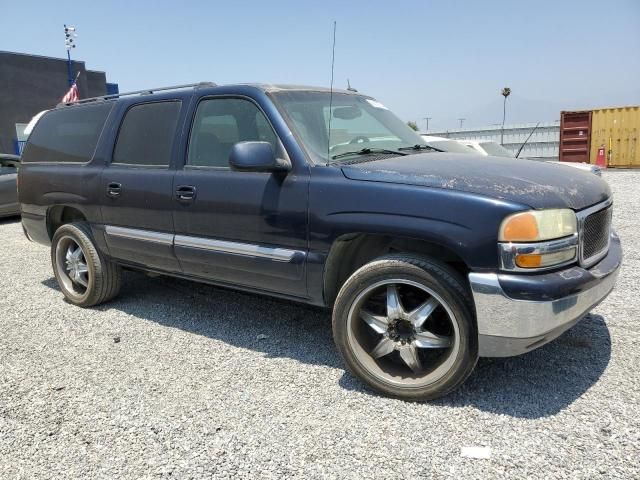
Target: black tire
449, 291
103, 277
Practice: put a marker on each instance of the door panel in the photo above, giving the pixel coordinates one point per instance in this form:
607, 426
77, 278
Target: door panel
244, 228
141, 214
137, 187
8, 192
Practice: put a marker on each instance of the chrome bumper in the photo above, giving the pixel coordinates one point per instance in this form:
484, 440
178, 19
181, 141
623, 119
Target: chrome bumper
509, 326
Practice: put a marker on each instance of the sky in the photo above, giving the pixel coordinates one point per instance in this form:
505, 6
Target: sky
440, 59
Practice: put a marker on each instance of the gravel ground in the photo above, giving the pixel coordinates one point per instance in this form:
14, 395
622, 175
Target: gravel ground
180, 380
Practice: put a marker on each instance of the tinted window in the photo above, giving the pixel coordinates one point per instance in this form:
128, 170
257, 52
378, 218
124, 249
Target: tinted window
67, 134
220, 124
146, 134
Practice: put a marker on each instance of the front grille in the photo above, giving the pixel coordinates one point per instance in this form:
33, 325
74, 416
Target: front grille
595, 234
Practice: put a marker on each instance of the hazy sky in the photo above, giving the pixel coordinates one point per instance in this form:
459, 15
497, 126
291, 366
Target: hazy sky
442, 59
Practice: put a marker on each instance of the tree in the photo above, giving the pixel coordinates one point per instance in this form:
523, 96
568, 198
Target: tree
413, 125
506, 91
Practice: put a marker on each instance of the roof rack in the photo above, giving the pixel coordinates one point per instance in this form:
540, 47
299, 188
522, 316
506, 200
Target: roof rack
147, 91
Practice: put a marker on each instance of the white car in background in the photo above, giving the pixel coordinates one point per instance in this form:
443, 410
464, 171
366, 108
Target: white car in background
497, 150
487, 148
446, 144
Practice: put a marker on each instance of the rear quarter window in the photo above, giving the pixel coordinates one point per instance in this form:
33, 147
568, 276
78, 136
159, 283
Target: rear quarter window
67, 135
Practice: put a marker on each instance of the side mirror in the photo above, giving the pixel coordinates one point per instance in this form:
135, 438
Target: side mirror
256, 157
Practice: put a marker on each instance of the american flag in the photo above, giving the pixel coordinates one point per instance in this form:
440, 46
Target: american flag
72, 95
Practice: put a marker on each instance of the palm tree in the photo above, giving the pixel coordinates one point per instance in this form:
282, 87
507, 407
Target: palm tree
506, 91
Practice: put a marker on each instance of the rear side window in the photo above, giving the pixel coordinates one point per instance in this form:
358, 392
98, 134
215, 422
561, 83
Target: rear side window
146, 134
67, 134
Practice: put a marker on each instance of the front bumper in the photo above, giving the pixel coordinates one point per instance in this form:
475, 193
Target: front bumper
510, 322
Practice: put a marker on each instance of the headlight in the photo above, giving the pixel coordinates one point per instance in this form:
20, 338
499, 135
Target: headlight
538, 225
538, 239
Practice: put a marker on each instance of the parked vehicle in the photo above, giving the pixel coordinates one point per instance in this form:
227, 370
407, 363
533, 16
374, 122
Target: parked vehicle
427, 259
494, 148
446, 144
487, 148
32, 123
8, 187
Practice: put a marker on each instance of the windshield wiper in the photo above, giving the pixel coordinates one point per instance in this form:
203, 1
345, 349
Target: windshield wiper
367, 151
420, 147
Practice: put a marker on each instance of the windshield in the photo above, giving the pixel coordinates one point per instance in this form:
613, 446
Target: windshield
359, 125
449, 146
493, 148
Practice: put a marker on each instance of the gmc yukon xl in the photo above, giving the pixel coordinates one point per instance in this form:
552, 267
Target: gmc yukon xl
428, 260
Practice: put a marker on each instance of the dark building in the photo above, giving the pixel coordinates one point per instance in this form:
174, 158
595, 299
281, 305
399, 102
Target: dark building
31, 83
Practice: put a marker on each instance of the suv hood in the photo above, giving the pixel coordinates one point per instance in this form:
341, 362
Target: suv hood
529, 182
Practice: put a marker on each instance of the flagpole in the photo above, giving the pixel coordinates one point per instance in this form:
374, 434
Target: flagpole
69, 43
70, 75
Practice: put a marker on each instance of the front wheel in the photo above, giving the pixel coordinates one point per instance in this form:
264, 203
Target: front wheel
85, 277
404, 325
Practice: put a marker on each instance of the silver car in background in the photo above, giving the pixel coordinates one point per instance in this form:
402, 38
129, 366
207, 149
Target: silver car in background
9, 165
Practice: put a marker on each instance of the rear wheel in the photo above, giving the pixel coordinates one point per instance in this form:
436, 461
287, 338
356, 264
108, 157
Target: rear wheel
404, 325
85, 277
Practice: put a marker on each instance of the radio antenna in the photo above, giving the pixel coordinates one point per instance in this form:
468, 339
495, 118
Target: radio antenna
333, 59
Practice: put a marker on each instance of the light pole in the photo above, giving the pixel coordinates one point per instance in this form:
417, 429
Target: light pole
506, 91
427, 120
69, 43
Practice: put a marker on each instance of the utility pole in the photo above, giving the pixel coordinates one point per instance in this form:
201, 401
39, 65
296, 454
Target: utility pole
461, 120
427, 120
506, 91
69, 43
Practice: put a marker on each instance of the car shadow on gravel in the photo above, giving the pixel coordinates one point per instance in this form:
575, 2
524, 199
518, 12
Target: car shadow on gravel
534, 385
542, 382
8, 220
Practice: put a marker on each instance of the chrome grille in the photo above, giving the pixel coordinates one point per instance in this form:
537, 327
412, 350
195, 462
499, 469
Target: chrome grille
596, 229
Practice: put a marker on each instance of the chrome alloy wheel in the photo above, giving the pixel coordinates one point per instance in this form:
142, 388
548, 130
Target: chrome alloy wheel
403, 333
72, 266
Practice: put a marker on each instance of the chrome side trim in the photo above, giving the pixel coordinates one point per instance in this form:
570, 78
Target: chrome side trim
582, 215
509, 251
143, 235
236, 248
221, 246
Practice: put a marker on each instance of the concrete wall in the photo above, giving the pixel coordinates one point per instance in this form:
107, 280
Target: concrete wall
30, 84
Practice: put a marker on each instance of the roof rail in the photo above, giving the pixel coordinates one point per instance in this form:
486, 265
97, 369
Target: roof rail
139, 92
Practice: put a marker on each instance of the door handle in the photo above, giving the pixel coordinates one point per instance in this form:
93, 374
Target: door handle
114, 189
186, 193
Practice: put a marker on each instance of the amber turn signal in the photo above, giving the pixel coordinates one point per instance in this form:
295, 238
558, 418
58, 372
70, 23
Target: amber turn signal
533, 260
538, 225
537, 260
520, 228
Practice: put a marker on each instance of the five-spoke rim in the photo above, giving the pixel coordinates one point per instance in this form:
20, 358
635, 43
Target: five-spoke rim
72, 267
403, 332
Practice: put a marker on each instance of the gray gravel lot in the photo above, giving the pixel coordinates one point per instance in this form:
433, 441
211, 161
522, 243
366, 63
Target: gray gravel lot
174, 379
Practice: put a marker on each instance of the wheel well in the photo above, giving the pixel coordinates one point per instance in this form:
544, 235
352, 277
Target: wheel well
352, 251
60, 215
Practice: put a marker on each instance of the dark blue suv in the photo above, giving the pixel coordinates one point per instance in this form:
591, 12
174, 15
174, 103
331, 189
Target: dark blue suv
428, 259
